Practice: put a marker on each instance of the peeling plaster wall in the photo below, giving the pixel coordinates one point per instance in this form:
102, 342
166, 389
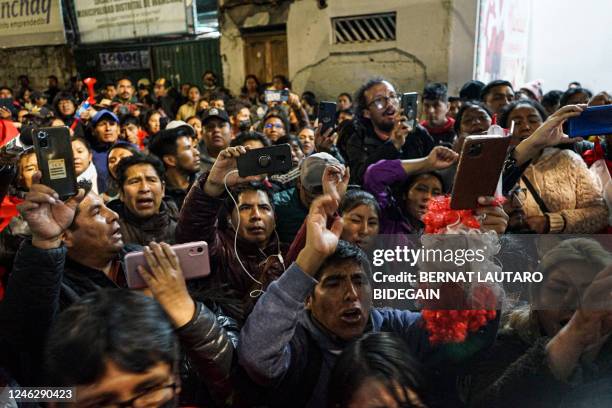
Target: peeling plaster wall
435, 42
462, 46
232, 56
420, 53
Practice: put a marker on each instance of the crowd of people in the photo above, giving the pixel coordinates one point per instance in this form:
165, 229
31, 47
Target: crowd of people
286, 316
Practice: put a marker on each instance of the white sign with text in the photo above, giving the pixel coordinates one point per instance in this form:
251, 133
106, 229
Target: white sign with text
108, 20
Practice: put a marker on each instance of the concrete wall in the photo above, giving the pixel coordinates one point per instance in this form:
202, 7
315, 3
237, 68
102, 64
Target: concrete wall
464, 16
232, 56
559, 54
419, 54
435, 42
38, 63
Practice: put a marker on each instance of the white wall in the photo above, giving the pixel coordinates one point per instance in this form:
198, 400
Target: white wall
464, 15
435, 42
571, 41
420, 54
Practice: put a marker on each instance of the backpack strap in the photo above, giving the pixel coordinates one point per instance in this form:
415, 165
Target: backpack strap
535, 195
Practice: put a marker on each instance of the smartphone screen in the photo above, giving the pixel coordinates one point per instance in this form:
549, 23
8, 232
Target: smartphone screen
272, 96
327, 115
410, 102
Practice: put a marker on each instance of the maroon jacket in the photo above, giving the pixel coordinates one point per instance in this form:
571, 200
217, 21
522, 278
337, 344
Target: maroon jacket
198, 222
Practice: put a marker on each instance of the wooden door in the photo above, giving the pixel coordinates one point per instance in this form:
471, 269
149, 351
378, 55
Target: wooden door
265, 55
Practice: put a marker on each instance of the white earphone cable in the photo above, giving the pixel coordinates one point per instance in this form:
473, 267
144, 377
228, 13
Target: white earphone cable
236, 234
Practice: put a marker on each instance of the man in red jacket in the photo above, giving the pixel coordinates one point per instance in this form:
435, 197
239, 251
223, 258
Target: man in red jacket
435, 108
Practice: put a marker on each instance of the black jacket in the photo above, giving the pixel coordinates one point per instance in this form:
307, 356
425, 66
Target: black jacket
45, 282
158, 228
363, 147
514, 373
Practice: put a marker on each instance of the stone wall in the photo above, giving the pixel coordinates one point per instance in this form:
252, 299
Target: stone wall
38, 63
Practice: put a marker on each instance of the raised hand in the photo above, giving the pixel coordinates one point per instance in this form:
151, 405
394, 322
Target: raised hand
325, 141
400, 130
493, 216
48, 216
226, 163
550, 133
587, 330
321, 241
293, 100
335, 181
165, 279
440, 158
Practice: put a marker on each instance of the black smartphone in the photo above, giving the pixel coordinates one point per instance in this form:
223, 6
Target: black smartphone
410, 105
266, 160
55, 160
276, 96
327, 115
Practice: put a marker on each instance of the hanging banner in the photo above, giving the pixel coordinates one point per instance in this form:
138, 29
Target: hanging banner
109, 20
503, 40
25, 23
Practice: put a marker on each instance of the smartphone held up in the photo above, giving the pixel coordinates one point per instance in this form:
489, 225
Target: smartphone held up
272, 95
192, 256
55, 160
266, 160
327, 115
410, 106
593, 121
478, 172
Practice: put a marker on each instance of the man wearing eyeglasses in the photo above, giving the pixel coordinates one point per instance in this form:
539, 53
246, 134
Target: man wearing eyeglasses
118, 349
275, 125
380, 130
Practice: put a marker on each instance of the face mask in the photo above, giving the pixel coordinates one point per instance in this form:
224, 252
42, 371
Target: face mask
244, 125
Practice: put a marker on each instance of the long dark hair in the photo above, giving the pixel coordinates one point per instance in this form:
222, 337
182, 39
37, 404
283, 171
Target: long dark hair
244, 90
382, 357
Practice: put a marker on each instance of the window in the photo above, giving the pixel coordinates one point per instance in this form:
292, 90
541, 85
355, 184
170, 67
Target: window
364, 28
206, 16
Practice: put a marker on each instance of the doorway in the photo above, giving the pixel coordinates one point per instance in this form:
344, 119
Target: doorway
265, 55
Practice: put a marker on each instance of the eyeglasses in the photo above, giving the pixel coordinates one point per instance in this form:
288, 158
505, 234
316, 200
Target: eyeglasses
152, 396
273, 125
382, 102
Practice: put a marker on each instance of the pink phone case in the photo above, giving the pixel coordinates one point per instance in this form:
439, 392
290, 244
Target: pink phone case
193, 258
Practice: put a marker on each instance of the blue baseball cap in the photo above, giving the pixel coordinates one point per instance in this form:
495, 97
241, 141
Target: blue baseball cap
104, 114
